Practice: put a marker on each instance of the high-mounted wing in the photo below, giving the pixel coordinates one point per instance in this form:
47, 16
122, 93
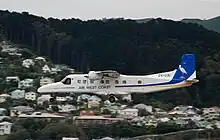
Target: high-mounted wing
110, 73
96, 75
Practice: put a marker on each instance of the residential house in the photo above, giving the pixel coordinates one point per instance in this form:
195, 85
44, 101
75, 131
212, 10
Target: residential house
46, 80
217, 124
181, 122
40, 115
64, 108
26, 83
204, 124
3, 111
92, 104
212, 116
12, 51
128, 112
46, 69
42, 99
211, 110
83, 97
184, 111
27, 63
15, 111
160, 112
4, 97
151, 122
63, 98
31, 96
163, 119
146, 120
113, 109
12, 79
94, 98
69, 138
5, 128
85, 121
88, 113
5, 118
39, 58
145, 107
17, 94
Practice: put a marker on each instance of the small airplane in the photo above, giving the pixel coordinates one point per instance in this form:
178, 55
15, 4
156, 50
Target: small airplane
111, 83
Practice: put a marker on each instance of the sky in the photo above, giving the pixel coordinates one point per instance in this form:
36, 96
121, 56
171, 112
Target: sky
132, 9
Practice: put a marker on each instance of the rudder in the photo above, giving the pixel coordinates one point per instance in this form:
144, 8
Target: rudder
186, 69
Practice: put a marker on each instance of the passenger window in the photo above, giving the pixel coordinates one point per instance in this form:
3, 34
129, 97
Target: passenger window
91, 81
124, 82
116, 81
102, 81
67, 81
84, 81
79, 81
139, 82
107, 81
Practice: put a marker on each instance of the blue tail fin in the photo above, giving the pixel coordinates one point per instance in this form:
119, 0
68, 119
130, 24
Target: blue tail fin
186, 69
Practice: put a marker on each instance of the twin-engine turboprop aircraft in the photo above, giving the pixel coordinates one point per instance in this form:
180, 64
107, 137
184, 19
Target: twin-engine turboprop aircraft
111, 83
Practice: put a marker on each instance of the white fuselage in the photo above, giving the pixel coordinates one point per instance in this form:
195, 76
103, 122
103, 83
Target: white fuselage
111, 82
123, 84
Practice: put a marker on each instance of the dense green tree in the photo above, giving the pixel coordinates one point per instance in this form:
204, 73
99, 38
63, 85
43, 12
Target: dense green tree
123, 45
19, 135
55, 108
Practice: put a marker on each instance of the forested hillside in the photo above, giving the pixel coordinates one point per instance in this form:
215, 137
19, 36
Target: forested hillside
211, 24
126, 46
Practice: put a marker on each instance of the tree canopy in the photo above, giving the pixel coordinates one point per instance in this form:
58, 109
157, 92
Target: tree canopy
126, 46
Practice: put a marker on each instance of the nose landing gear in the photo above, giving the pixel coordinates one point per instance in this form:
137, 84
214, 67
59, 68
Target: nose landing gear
53, 98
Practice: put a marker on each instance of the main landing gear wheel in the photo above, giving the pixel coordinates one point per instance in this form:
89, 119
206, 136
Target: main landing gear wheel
111, 98
53, 97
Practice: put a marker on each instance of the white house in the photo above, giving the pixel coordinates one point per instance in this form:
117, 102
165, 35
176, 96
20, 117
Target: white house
42, 99
31, 96
17, 94
26, 83
40, 115
12, 79
184, 111
64, 108
68, 138
46, 80
5, 128
151, 122
39, 58
20, 110
27, 63
3, 97
11, 51
211, 110
145, 107
63, 98
129, 112
46, 69
93, 104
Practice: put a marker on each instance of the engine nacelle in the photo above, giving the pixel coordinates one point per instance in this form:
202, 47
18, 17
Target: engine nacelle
94, 76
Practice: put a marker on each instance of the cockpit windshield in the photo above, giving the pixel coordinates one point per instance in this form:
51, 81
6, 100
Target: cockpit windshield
66, 81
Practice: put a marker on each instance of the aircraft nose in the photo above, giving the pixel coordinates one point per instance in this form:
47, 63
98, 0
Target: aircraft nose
49, 88
41, 89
